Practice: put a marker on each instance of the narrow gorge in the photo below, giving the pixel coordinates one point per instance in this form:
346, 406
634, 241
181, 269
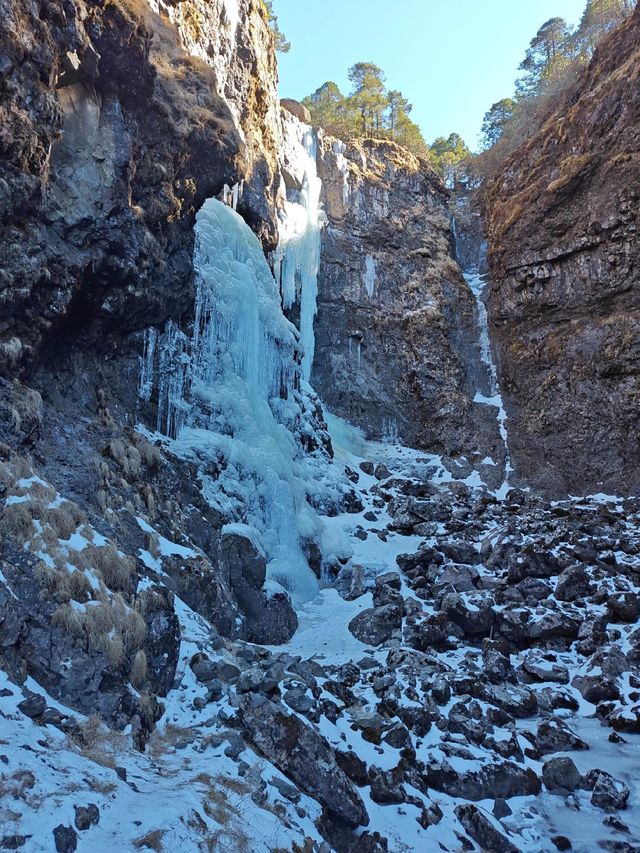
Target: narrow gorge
319, 512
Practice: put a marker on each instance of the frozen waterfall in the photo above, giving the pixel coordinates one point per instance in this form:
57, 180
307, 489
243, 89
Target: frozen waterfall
297, 257
476, 284
230, 398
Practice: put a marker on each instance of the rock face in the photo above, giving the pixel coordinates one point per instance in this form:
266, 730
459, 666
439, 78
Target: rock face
110, 118
395, 335
117, 121
562, 222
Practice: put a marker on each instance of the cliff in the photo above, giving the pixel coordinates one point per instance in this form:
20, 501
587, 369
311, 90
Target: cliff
397, 341
562, 226
118, 120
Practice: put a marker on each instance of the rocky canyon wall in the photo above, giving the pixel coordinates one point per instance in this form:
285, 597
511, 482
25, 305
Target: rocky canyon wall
562, 224
396, 336
118, 121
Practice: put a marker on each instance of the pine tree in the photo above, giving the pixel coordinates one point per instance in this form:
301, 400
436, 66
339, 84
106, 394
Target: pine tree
449, 153
496, 120
398, 108
369, 110
598, 18
329, 109
552, 40
283, 45
369, 98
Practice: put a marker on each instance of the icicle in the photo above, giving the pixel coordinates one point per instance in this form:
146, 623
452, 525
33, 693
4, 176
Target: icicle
145, 387
389, 431
173, 379
369, 275
297, 257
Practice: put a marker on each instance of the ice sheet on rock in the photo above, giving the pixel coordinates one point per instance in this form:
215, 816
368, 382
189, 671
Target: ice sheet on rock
342, 165
297, 256
145, 387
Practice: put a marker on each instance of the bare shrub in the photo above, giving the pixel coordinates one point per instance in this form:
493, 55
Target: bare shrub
11, 351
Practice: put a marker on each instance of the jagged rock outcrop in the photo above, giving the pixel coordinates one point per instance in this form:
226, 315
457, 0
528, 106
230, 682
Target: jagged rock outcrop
396, 344
562, 225
116, 125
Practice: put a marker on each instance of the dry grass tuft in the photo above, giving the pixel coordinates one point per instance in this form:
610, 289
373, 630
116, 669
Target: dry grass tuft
139, 674
97, 742
70, 620
99, 786
117, 571
150, 841
16, 522
62, 585
64, 519
126, 457
150, 455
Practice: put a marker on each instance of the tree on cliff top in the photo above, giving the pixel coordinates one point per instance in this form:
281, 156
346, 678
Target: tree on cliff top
549, 46
369, 98
370, 110
598, 18
449, 156
552, 61
283, 45
496, 120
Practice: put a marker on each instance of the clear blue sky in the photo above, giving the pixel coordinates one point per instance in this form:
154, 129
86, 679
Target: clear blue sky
451, 58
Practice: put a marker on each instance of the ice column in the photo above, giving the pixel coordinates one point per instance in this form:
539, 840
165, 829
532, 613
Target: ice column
297, 257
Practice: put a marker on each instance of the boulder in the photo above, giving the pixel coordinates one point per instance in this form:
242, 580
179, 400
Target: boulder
483, 830
560, 773
572, 584
608, 793
503, 779
303, 755
376, 625
65, 838
296, 109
